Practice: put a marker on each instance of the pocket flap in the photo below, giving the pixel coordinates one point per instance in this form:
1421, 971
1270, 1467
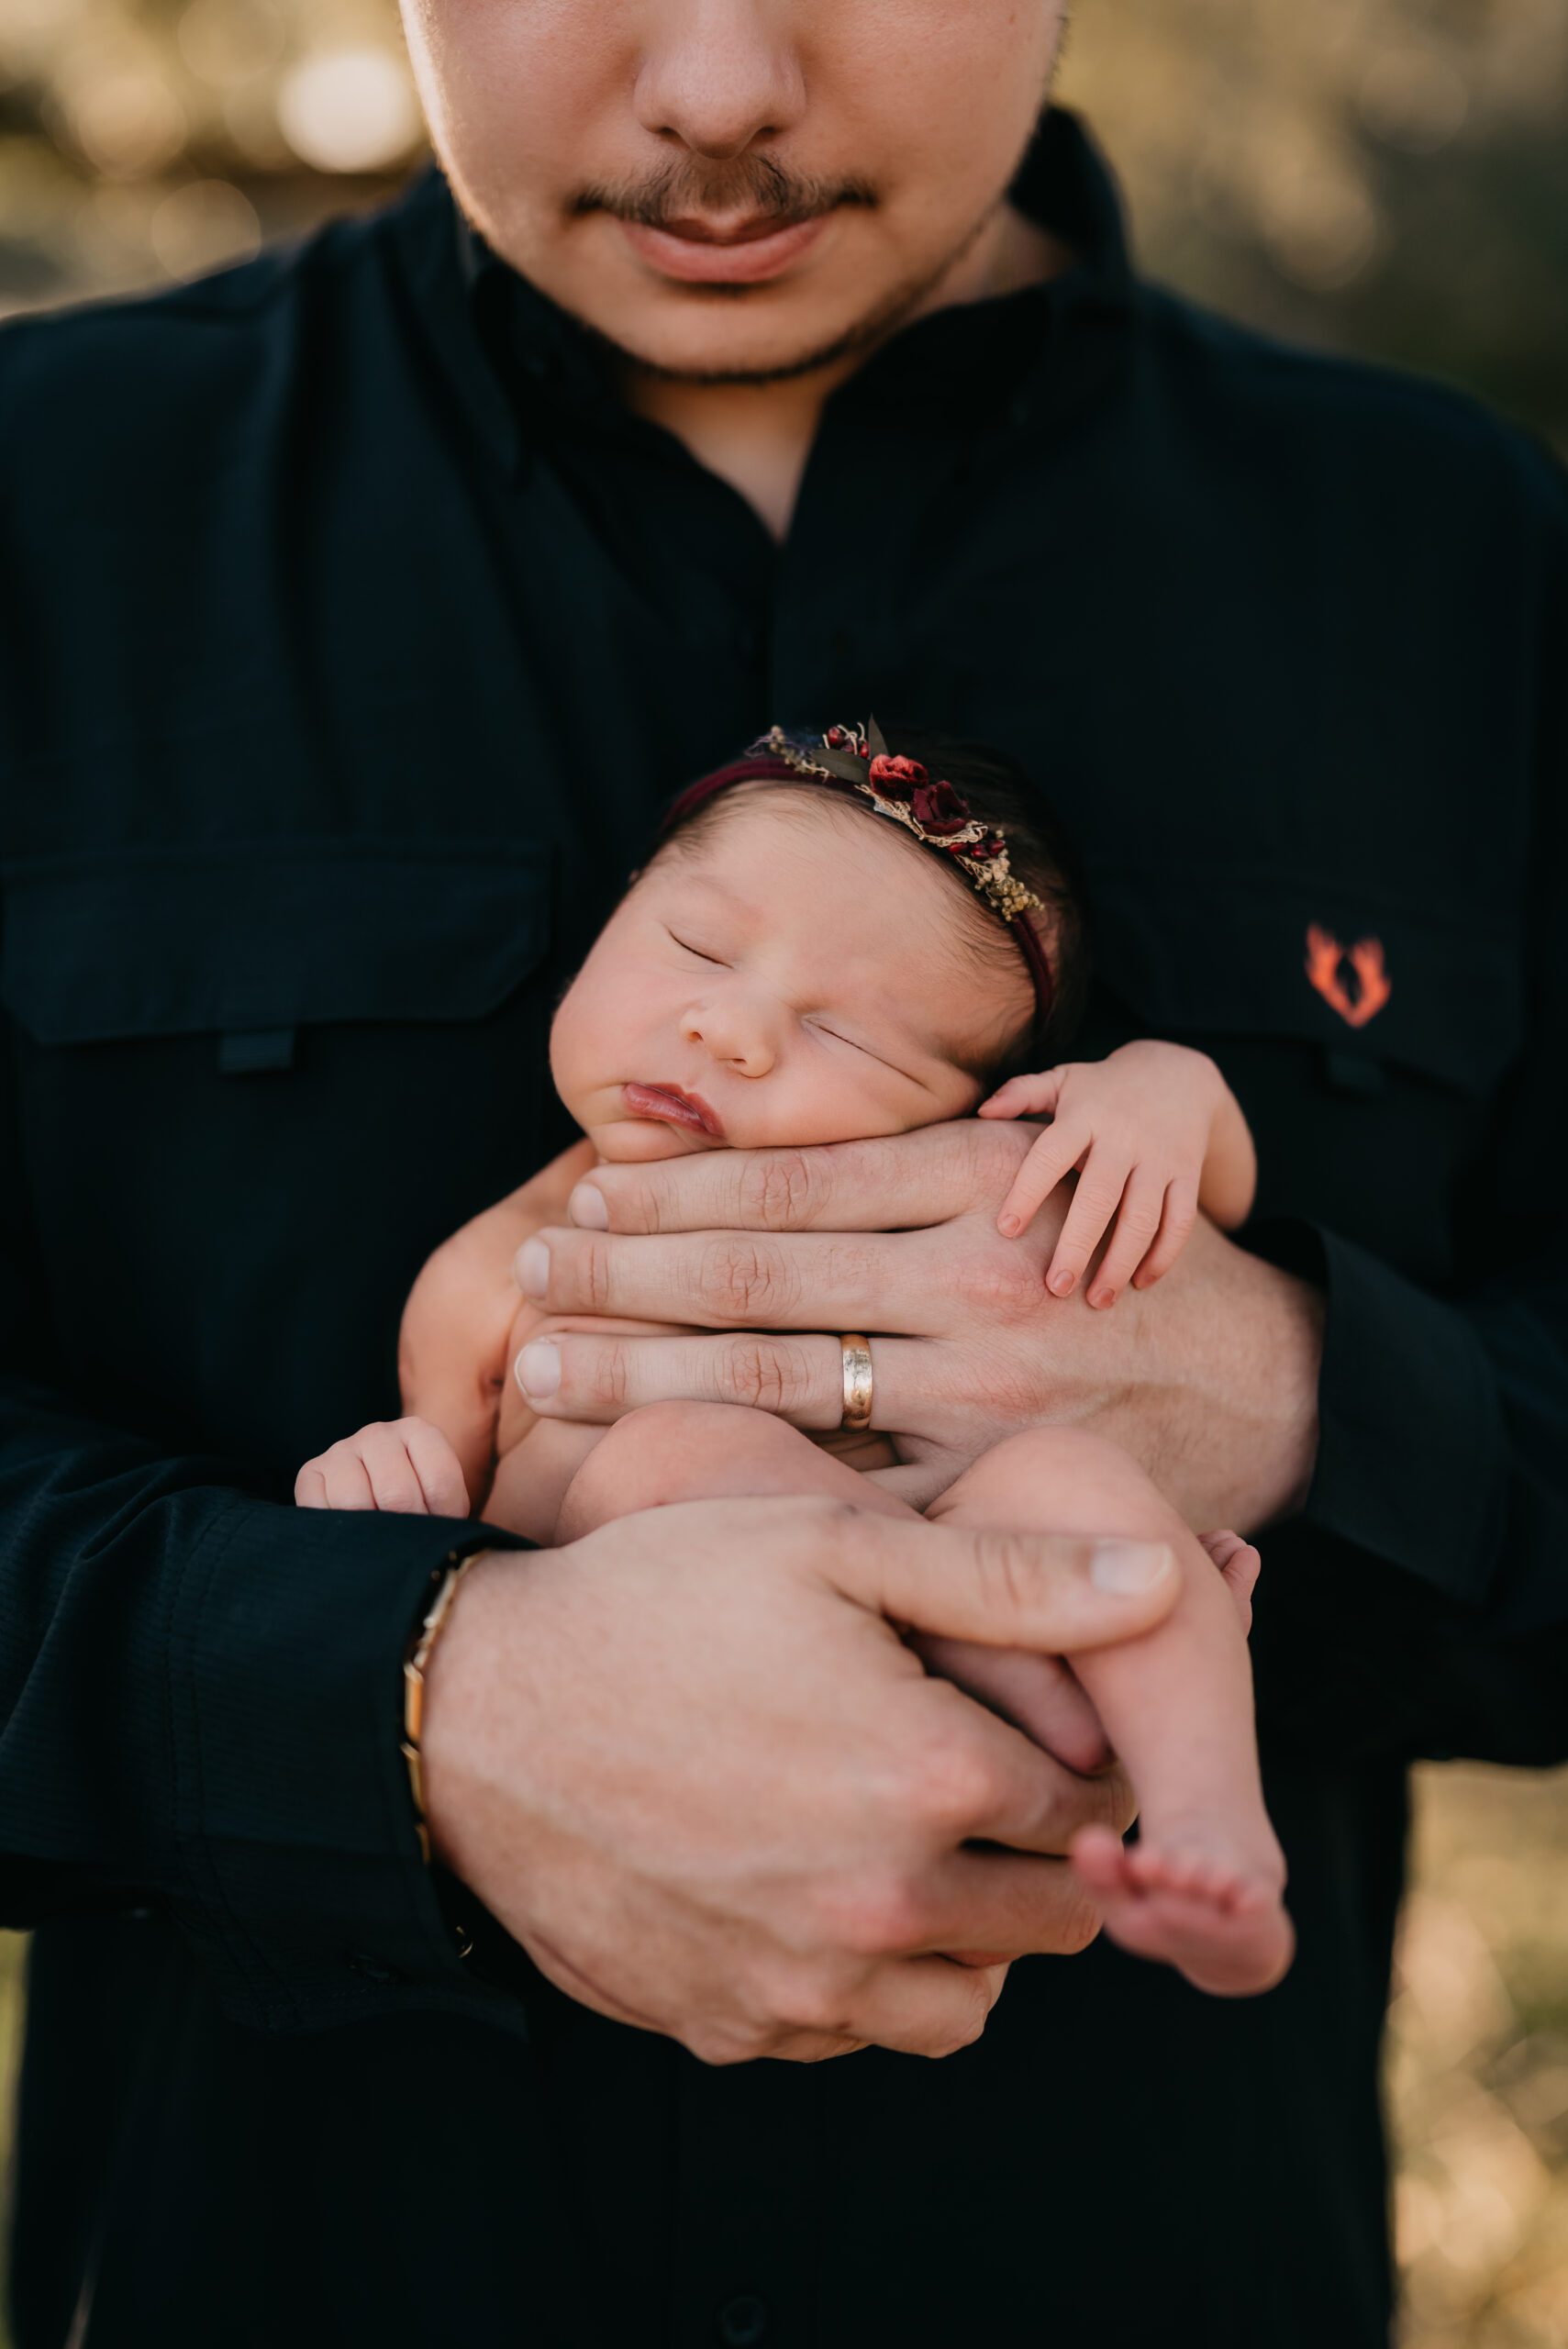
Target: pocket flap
1362, 975
168, 941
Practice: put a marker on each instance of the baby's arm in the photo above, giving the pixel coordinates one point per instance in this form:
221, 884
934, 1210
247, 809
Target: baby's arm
453, 1348
1153, 1134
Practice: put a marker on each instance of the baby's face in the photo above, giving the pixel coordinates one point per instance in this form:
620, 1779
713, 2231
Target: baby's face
797, 975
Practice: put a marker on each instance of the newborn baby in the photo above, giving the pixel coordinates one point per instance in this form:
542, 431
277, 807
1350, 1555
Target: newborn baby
832, 941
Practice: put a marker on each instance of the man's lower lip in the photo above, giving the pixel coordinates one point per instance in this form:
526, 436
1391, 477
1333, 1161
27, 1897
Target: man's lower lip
749, 261
652, 1101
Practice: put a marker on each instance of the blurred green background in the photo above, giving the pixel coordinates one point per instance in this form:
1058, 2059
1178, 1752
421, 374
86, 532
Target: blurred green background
1384, 176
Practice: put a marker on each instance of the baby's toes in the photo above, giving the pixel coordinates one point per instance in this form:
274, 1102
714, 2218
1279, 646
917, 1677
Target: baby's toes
1102, 1860
1177, 1868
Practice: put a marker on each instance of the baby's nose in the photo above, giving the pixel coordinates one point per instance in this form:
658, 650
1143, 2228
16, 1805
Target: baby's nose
728, 1035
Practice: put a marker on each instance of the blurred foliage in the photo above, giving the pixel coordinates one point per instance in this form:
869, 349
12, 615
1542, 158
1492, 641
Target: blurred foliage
1384, 176
1389, 176
1478, 2065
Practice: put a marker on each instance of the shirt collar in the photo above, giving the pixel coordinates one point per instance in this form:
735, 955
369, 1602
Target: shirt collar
509, 350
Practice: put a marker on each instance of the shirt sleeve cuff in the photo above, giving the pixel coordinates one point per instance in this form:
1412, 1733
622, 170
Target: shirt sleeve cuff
1412, 1456
303, 1888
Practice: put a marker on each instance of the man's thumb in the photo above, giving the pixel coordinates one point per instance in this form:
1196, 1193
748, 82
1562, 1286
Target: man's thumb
1052, 1592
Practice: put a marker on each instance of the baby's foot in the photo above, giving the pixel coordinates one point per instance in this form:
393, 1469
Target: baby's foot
1193, 1903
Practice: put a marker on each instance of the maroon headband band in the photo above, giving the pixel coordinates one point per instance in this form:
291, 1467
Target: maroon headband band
769, 770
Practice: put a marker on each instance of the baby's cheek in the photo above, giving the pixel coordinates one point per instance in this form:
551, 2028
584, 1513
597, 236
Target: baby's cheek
571, 1038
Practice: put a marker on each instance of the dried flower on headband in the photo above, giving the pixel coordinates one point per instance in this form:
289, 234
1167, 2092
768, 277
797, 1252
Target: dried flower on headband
936, 812
857, 759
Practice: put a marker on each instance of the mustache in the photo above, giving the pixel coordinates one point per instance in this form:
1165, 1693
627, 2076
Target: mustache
756, 186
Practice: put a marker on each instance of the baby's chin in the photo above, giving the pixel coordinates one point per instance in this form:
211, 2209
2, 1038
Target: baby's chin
635, 1141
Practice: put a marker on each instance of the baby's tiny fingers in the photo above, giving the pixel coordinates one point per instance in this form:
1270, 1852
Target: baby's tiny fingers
1053, 1156
1138, 1220
437, 1468
1096, 1200
310, 1486
1239, 1565
347, 1479
1176, 1223
394, 1482
1024, 1097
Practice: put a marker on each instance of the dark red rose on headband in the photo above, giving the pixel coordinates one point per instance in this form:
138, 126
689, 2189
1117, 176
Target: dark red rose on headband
938, 808
895, 777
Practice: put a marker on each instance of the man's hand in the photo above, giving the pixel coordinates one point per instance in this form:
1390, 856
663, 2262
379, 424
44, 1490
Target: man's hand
1209, 1381
691, 1766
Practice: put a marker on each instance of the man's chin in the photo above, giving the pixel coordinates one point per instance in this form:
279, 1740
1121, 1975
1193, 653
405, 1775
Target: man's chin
722, 345
739, 334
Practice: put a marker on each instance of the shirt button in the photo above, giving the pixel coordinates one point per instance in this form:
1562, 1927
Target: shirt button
743, 2322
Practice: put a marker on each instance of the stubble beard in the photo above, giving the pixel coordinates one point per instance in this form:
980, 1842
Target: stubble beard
854, 341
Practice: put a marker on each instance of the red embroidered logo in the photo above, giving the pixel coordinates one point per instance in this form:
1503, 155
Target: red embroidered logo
1326, 959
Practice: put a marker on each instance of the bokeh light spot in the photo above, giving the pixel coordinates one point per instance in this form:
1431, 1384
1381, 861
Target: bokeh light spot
348, 110
122, 116
226, 41
203, 226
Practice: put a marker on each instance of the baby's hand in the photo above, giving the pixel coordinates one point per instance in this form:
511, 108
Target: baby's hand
402, 1464
1137, 1128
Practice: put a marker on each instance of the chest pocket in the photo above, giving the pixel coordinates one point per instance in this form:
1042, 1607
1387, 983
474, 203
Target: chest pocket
1366, 1043
257, 1084
249, 942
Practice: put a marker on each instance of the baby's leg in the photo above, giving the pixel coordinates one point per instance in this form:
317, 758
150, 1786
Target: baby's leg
684, 1452
1201, 1889
688, 1451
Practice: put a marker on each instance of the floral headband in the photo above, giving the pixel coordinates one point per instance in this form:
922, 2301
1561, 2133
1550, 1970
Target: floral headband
857, 759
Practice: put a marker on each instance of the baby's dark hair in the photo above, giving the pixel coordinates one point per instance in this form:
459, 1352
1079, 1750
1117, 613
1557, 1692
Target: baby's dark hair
1002, 795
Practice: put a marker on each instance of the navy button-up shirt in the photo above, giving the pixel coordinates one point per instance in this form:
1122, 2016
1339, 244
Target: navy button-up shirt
352, 633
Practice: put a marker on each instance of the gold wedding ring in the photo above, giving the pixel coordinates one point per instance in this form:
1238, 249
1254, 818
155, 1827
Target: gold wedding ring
858, 1380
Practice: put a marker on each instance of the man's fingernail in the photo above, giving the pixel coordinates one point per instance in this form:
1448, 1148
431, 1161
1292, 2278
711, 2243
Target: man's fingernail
538, 1368
586, 1208
532, 1268
1129, 1565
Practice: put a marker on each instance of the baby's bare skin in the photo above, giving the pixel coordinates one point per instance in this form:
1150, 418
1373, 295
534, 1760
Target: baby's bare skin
464, 1327
837, 1003
1202, 1887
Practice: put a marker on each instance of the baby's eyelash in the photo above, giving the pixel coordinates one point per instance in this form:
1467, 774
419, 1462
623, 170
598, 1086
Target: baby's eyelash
853, 1046
685, 944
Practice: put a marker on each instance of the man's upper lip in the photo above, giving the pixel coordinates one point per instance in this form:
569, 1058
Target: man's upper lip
729, 230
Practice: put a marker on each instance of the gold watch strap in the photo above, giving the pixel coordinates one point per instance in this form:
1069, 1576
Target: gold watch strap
416, 1663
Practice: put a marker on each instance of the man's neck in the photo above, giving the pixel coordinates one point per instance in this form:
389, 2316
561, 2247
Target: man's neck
758, 437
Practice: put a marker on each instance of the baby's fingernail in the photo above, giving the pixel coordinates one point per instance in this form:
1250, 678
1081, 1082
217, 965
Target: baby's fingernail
1100, 1297
538, 1368
1127, 1566
1008, 1224
586, 1208
532, 1268
1062, 1283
